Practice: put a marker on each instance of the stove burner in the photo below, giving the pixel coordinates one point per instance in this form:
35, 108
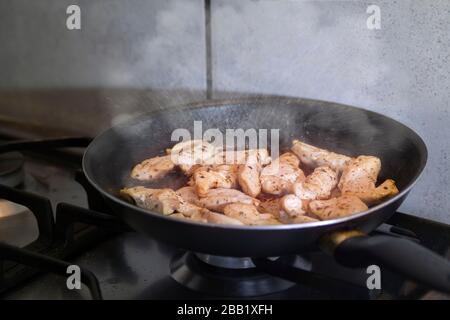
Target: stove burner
11, 169
226, 262
224, 276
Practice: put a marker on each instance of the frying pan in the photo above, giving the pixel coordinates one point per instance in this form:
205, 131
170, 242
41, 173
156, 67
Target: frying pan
109, 158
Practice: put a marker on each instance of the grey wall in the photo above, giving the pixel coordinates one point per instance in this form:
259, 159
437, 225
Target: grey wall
154, 51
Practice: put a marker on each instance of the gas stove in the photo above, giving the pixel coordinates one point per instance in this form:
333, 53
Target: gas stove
50, 218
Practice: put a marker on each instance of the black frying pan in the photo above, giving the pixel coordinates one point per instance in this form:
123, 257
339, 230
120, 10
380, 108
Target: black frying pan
109, 158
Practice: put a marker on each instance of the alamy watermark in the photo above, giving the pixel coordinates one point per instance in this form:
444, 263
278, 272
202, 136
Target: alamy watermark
205, 146
73, 21
373, 22
373, 281
74, 279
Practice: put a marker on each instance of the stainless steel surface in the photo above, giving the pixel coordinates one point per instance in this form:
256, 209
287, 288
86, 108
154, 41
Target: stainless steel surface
11, 169
226, 262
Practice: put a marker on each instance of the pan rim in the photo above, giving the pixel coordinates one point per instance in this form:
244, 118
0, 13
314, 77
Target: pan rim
255, 100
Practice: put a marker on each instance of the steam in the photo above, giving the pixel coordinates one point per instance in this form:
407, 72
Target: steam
170, 61
296, 48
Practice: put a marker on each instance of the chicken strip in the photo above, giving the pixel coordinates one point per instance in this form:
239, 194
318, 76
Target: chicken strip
188, 194
178, 215
359, 179
318, 185
374, 196
189, 153
164, 201
218, 218
248, 214
302, 219
212, 177
278, 177
336, 207
217, 199
271, 206
248, 175
153, 168
315, 157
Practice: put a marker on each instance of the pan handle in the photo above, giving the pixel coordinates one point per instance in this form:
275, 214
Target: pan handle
355, 249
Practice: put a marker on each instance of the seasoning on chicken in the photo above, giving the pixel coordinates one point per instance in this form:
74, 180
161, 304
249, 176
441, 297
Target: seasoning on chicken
217, 199
188, 194
359, 178
315, 157
189, 153
336, 207
241, 156
164, 201
153, 168
248, 214
248, 175
271, 206
318, 185
278, 177
212, 177
206, 216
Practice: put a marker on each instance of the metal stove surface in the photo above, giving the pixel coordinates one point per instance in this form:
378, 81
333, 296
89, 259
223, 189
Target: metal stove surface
132, 266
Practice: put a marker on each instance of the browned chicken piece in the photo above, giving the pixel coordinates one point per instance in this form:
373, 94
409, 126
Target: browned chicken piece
271, 206
178, 215
164, 201
188, 194
335, 192
336, 207
248, 214
206, 216
153, 168
212, 177
218, 218
374, 196
187, 154
248, 175
359, 178
316, 157
278, 177
292, 205
302, 219
199, 217
217, 199
360, 174
188, 209
318, 185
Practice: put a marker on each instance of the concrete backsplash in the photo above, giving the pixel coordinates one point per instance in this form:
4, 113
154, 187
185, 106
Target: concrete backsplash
133, 56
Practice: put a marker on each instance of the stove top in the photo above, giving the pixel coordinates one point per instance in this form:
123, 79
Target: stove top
51, 218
